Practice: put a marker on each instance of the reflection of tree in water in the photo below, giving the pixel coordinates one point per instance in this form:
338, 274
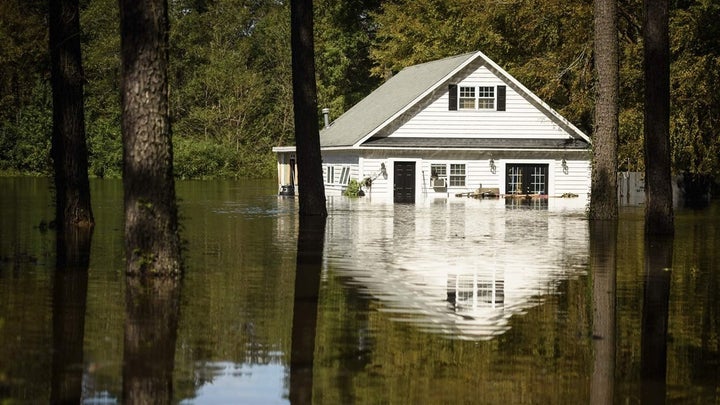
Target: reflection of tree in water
698, 338
311, 238
656, 299
603, 265
152, 311
69, 304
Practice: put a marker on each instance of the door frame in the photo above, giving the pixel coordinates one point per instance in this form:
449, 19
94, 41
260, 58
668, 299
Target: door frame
417, 164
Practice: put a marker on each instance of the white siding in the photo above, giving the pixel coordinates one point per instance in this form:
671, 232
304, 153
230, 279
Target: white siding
381, 187
575, 180
521, 119
478, 174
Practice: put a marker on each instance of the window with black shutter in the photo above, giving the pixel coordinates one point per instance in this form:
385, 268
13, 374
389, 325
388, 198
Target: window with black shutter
476, 97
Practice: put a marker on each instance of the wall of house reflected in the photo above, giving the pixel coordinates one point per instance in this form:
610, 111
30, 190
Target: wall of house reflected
460, 268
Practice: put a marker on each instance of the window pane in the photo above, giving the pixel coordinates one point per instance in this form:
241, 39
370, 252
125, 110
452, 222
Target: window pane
330, 175
345, 175
438, 170
486, 97
457, 175
486, 92
467, 98
485, 103
514, 180
467, 92
538, 180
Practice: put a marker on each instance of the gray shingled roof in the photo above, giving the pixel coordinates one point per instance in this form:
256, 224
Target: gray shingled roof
475, 143
406, 88
387, 100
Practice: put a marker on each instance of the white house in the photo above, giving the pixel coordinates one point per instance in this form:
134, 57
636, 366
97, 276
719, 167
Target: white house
448, 127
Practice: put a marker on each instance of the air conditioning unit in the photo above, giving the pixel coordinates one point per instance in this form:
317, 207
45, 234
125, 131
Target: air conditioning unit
438, 183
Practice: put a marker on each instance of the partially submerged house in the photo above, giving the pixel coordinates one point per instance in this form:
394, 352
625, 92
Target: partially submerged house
448, 127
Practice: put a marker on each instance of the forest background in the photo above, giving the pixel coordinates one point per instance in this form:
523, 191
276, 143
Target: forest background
231, 85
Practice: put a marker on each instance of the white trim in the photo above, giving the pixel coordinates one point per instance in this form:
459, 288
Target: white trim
279, 149
417, 99
502, 74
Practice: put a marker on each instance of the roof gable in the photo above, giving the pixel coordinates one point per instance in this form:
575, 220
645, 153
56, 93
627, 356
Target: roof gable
386, 106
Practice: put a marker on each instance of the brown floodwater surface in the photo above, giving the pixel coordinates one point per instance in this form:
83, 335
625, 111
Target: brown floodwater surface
443, 301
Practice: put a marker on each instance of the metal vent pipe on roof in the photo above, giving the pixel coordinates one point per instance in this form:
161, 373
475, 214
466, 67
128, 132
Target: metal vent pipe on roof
326, 116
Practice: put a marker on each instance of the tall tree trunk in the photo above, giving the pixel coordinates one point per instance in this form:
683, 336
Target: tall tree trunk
658, 187
307, 137
152, 243
69, 148
604, 201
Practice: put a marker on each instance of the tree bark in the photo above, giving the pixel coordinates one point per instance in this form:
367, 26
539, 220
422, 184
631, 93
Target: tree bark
152, 243
604, 201
307, 137
69, 148
658, 188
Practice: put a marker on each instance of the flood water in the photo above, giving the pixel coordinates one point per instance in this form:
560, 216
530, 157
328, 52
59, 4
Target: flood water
457, 301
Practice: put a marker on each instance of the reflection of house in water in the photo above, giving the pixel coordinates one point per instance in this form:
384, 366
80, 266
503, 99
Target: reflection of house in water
462, 268
469, 292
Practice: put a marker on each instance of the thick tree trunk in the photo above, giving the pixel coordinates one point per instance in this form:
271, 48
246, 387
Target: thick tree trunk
69, 148
658, 186
604, 201
307, 137
152, 243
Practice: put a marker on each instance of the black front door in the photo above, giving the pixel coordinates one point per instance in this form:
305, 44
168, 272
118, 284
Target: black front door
404, 182
526, 179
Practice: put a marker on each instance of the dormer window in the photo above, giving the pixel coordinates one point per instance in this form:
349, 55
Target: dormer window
476, 98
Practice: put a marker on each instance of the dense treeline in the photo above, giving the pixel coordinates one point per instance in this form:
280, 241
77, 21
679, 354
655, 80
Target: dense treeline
230, 80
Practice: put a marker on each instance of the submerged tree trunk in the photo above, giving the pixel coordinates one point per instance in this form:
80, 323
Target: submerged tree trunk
604, 201
152, 243
658, 187
307, 137
69, 148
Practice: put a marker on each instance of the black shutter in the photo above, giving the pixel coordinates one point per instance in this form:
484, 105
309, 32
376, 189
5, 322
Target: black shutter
501, 98
452, 90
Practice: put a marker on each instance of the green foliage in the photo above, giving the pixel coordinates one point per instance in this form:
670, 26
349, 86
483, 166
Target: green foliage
230, 73
354, 189
25, 141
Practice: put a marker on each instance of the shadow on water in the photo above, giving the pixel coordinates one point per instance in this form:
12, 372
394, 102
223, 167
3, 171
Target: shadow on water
603, 262
152, 306
311, 239
656, 299
69, 303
